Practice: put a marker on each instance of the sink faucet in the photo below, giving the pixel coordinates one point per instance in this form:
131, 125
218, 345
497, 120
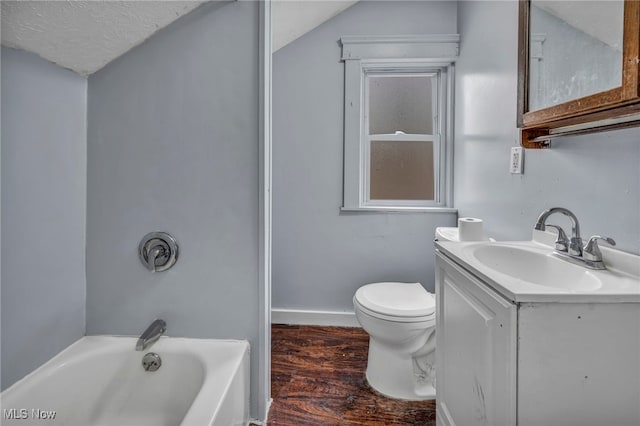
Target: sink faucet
151, 334
592, 252
575, 244
562, 242
589, 256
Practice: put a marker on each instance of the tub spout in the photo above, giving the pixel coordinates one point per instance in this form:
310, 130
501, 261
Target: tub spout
151, 334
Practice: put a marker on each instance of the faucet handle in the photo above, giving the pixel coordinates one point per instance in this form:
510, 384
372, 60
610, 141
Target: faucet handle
153, 254
562, 242
592, 251
158, 251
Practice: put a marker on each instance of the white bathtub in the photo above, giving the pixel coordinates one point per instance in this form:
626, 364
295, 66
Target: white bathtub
99, 380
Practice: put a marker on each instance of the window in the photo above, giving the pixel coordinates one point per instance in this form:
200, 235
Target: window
398, 94
401, 138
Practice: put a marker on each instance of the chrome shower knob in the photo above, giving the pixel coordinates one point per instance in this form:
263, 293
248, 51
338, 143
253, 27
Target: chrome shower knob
158, 251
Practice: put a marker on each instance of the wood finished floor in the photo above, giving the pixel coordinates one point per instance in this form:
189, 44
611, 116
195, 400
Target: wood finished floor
317, 378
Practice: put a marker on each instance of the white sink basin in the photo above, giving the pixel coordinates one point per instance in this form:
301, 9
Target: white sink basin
528, 271
535, 266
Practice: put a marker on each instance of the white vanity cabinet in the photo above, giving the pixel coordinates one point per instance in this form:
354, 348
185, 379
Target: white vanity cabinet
475, 351
532, 363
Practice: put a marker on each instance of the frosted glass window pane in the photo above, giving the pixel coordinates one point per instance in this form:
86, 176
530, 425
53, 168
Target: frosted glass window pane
400, 103
401, 170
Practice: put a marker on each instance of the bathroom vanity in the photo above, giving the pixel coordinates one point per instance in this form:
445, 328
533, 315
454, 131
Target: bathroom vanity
526, 338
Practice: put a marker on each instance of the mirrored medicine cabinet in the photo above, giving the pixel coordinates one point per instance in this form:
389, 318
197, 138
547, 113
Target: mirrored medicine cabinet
578, 68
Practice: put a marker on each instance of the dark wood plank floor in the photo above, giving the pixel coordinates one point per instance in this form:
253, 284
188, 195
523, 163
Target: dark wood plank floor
317, 378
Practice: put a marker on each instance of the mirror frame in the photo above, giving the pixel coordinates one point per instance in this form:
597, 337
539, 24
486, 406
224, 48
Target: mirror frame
612, 109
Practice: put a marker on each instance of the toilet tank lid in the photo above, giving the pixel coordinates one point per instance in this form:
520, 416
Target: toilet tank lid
397, 299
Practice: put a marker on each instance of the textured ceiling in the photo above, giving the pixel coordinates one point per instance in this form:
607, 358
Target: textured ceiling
292, 19
85, 35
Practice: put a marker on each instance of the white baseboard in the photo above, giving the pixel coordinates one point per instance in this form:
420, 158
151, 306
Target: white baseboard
327, 318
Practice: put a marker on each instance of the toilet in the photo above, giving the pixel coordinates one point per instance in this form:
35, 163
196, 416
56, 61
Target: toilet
400, 319
401, 322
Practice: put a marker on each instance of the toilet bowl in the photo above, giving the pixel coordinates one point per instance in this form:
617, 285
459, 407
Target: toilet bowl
400, 320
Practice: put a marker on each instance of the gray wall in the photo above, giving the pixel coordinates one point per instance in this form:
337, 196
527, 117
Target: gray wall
320, 256
173, 146
43, 211
596, 176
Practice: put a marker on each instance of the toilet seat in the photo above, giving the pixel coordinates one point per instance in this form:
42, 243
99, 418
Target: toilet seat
399, 302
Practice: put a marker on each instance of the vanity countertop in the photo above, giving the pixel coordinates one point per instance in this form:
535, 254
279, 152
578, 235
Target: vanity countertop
527, 271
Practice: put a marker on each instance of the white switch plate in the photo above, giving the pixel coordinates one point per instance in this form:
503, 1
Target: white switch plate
516, 160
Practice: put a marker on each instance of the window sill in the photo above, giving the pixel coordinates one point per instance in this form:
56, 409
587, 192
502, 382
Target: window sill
398, 210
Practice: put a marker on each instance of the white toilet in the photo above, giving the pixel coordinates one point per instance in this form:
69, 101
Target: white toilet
401, 321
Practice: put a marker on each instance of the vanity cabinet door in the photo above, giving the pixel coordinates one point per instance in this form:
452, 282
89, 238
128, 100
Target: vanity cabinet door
475, 351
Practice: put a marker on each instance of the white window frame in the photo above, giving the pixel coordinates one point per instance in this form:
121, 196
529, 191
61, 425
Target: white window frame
397, 55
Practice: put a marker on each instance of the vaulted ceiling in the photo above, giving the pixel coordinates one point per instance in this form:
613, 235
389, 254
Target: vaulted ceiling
293, 19
84, 36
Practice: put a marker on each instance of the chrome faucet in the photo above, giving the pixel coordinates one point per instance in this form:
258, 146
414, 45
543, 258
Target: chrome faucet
575, 244
592, 252
572, 250
562, 242
151, 334
152, 256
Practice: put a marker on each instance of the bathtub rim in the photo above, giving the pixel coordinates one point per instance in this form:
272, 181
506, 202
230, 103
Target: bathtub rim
201, 409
